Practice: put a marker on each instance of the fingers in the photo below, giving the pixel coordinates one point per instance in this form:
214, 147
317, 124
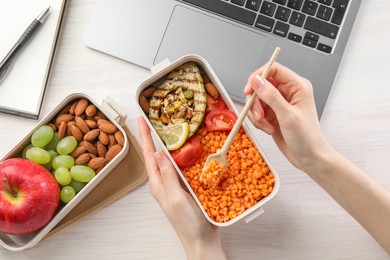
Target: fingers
148, 151
162, 174
169, 174
269, 95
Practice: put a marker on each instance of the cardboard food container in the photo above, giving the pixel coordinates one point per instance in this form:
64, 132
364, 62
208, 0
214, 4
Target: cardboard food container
160, 72
110, 183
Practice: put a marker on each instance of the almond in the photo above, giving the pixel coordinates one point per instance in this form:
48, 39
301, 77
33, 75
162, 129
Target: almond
106, 126
111, 141
78, 151
75, 131
91, 123
62, 130
103, 137
144, 104
99, 115
113, 151
72, 108
82, 125
81, 106
64, 117
83, 159
212, 90
65, 110
96, 163
90, 110
101, 149
148, 93
91, 135
89, 146
119, 137
68, 127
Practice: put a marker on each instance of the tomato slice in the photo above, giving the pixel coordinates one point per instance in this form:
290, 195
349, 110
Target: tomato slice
220, 120
189, 153
215, 103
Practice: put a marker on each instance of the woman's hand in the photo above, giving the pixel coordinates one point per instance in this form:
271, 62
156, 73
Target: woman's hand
285, 108
200, 239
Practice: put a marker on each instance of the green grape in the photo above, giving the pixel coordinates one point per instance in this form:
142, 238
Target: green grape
49, 165
76, 185
52, 145
82, 173
25, 150
66, 145
66, 161
42, 136
38, 155
62, 176
67, 194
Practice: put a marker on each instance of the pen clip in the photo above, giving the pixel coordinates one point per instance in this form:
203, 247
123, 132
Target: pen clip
6, 71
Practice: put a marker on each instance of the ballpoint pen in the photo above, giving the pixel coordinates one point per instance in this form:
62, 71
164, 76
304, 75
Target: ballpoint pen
23, 40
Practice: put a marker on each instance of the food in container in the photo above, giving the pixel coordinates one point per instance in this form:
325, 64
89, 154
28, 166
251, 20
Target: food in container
91, 139
187, 92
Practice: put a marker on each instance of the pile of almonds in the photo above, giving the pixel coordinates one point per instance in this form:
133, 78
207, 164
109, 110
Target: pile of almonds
99, 140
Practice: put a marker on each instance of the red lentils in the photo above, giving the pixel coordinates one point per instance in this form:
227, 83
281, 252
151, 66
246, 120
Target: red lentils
229, 191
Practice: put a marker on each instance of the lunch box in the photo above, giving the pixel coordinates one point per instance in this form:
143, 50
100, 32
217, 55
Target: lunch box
115, 115
159, 72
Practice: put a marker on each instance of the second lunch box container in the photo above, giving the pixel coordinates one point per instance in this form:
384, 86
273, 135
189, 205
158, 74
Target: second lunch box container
113, 114
160, 71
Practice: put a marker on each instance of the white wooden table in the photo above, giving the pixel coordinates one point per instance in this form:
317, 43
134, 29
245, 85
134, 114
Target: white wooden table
301, 222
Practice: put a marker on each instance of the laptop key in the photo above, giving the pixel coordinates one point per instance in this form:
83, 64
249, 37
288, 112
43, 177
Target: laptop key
294, 37
281, 29
325, 48
282, 2
297, 18
238, 2
321, 27
325, 2
340, 6
253, 5
265, 23
309, 7
282, 13
295, 4
324, 12
312, 36
309, 42
226, 9
268, 8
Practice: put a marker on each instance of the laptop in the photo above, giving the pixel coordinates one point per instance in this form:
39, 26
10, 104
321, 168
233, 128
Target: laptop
235, 36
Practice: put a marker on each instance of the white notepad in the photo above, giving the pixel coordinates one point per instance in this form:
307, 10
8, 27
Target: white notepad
22, 89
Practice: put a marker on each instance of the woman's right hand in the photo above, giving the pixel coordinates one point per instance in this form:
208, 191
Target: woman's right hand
285, 108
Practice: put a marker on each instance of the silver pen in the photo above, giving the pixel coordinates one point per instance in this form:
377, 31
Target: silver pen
23, 40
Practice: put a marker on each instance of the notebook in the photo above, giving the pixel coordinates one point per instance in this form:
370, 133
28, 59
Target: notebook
22, 89
235, 36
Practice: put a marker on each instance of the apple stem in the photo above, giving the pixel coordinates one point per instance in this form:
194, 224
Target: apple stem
8, 188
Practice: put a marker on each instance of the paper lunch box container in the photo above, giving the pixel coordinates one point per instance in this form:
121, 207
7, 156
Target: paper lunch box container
160, 71
113, 114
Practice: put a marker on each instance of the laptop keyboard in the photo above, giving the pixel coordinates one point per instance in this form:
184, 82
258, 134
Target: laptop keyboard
315, 24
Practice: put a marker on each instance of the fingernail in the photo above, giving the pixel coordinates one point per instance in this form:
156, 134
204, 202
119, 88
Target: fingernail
260, 82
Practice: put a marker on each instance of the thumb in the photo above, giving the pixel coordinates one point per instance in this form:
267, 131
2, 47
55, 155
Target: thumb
169, 174
269, 95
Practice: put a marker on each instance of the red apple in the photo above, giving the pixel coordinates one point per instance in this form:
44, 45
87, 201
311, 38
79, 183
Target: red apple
29, 196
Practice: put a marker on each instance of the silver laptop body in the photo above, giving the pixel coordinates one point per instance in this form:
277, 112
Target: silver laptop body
146, 32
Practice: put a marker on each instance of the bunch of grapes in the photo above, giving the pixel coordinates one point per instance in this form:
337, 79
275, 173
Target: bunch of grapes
54, 154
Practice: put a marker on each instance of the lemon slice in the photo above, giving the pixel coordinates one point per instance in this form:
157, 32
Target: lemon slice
175, 135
